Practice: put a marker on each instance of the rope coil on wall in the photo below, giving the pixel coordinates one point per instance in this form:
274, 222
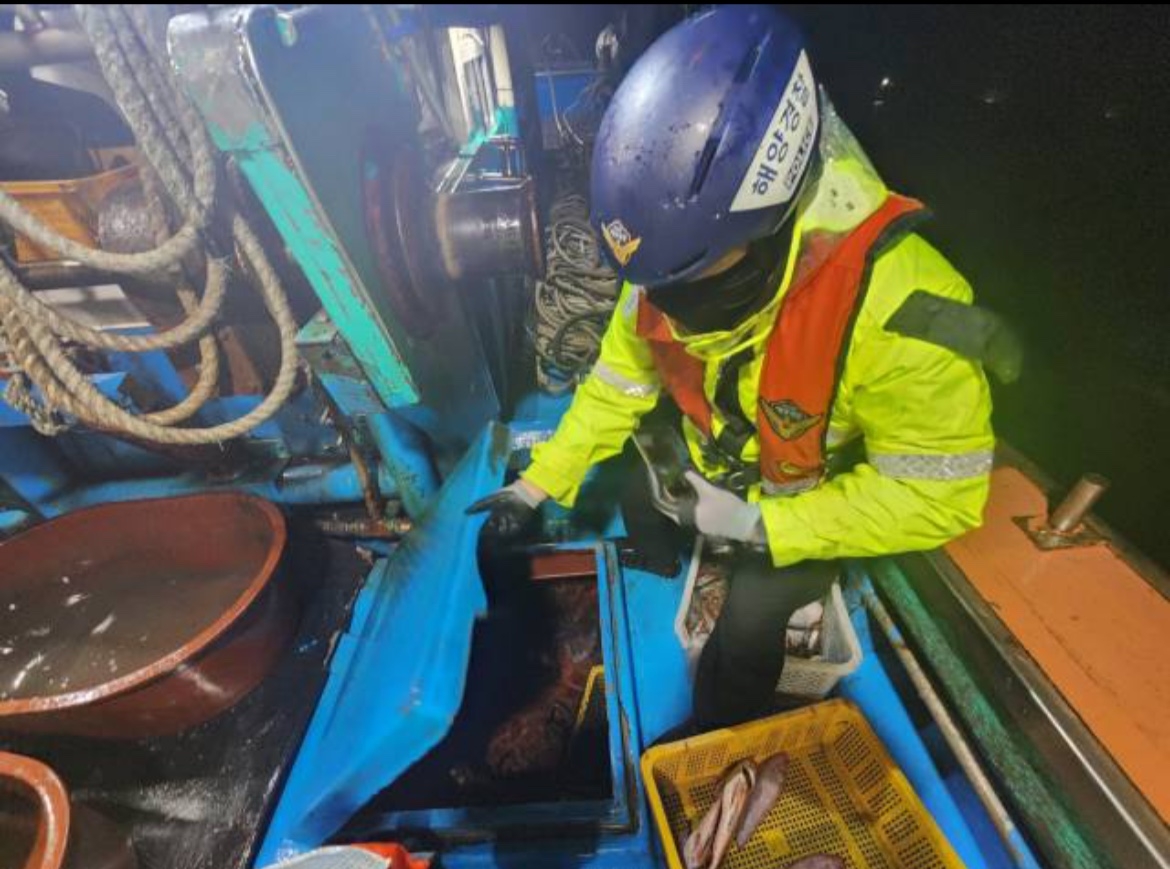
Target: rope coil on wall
575, 299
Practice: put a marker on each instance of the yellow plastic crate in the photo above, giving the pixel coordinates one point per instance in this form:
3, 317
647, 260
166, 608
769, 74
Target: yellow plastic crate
842, 794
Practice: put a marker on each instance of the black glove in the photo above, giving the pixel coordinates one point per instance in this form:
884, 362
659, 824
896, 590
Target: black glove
512, 511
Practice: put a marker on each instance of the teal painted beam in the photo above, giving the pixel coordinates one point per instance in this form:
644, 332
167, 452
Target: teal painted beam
314, 248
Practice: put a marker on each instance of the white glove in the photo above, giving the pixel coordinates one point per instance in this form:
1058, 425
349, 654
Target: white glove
719, 513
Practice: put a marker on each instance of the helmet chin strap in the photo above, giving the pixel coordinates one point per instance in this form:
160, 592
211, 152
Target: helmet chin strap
720, 302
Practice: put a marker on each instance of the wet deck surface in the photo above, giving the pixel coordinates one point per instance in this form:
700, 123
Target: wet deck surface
200, 800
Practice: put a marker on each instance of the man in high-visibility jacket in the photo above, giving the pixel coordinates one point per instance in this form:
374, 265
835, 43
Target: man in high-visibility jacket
776, 291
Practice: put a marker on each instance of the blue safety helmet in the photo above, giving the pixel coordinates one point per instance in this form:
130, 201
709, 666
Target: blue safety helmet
705, 144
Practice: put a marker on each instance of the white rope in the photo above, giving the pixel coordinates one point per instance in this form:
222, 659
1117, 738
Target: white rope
172, 138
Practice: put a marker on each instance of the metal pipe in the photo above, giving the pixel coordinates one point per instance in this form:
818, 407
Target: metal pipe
369, 483
982, 785
875, 695
302, 485
21, 49
366, 477
370, 529
1072, 510
501, 69
326, 484
60, 275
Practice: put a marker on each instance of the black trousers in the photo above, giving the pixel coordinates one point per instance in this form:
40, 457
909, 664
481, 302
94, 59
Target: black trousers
742, 661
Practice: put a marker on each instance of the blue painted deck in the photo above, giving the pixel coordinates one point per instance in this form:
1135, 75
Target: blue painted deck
647, 679
647, 675
661, 695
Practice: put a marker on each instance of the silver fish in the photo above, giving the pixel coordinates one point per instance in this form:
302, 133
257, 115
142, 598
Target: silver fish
736, 788
819, 861
769, 784
697, 848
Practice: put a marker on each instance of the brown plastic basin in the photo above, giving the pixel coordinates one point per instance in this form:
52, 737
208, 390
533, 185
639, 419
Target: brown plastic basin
40, 829
142, 618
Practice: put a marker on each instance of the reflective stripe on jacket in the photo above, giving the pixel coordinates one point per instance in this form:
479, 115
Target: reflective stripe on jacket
923, 411
803, 356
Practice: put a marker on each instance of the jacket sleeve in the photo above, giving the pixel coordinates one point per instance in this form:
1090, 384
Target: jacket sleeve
621, 388
924, 412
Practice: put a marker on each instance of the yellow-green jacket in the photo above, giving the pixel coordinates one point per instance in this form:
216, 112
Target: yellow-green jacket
922, 410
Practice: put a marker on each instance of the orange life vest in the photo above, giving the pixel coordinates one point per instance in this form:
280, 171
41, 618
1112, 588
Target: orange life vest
805, 353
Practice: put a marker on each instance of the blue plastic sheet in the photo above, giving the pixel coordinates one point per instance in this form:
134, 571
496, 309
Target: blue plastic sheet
397, 676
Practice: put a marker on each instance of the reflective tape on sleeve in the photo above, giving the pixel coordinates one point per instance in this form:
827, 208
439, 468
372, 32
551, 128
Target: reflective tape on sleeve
955, 466
624, 384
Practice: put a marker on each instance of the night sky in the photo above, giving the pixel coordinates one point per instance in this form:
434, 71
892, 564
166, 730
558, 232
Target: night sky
1039, 137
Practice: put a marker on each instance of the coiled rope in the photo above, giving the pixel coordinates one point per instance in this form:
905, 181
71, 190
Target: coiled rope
575, 299
181, 178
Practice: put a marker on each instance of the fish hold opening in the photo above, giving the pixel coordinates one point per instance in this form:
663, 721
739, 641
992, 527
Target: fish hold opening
533, 727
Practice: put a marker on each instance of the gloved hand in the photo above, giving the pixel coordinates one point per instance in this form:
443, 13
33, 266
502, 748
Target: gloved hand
723, 514
511, 509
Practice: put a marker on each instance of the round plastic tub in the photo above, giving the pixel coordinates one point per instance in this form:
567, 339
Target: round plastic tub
41, 829
141, 618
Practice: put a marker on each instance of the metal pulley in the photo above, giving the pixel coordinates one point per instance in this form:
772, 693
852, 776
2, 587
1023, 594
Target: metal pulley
426, 235
489, 230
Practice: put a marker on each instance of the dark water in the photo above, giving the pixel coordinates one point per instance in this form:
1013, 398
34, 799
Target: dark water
17, 828
507, 745
1039, 135
105, 620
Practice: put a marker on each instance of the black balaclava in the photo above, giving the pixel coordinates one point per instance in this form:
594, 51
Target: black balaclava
722, 301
